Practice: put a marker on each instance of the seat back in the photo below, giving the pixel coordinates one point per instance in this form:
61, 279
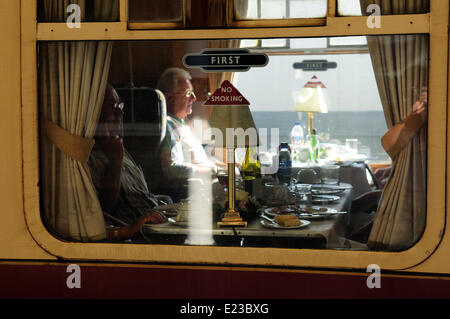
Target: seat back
144, 127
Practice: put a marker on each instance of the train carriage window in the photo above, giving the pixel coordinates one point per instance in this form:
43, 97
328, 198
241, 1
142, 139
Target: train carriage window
113, 93
87, 11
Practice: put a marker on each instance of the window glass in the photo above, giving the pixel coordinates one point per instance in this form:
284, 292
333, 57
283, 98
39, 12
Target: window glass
280, 9
319, 107
156, 10
71, 11
349, 7
366, 7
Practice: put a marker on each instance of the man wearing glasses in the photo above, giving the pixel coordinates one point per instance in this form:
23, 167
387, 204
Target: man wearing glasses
120, 183
181, 154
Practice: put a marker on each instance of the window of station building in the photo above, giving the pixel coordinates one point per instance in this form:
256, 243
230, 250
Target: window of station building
87, 11
363, 98
280, 9
365, 7
159, 14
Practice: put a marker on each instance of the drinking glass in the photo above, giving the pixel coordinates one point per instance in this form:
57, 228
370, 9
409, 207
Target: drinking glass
330, 174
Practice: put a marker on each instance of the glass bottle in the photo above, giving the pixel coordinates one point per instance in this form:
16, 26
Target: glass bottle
297, 140
285, 163
251, 168
313, 145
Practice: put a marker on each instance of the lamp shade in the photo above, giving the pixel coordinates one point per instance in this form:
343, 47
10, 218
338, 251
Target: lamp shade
235, 122
231, 121
313, 97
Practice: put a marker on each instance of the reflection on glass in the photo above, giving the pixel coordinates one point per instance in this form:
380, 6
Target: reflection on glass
366, 7
200, 214
90, 11
362, 89
156, 10
349, 8
280, 9
362, 41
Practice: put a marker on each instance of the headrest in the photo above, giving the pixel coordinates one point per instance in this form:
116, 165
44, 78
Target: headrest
144, 112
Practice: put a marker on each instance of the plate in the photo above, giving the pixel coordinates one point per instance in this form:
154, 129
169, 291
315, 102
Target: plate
174, 222
340, 186
169, 209
159, 225
267, 224
324, 198
303, 211
324, 190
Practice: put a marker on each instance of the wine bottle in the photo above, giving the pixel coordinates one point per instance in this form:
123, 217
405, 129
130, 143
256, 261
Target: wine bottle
251, 169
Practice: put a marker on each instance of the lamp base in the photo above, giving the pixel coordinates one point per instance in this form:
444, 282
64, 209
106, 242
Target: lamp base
232, 218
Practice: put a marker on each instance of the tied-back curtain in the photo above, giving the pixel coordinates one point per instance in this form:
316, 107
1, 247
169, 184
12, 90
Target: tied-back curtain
400, 64
73, 78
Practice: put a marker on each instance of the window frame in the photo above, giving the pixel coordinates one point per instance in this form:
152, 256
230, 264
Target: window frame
434, 23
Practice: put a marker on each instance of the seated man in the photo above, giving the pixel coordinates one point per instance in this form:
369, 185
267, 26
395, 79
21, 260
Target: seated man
181, 154
120, 183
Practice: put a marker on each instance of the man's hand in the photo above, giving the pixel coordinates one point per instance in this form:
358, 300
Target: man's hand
153, 217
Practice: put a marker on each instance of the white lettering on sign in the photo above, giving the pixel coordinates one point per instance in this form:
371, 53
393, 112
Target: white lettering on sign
226, 89
226, 98
222, 60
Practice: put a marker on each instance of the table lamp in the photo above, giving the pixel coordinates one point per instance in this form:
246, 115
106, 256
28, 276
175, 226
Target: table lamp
313, 98
232, 117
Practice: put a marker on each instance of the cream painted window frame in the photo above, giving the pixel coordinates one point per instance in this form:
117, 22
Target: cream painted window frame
435, 24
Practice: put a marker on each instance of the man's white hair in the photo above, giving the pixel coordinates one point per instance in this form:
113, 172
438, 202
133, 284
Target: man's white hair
168, 81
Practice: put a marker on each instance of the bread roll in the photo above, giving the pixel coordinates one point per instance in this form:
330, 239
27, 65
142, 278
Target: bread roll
287, 220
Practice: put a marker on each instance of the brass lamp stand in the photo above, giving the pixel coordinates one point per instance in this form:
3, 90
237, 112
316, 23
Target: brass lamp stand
232, 216
310, 122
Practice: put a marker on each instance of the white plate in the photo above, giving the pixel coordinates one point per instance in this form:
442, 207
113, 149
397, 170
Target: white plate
174, 222
340, 186
326, 191
301, 209
267, 224
169, 209
324, 198
159, 225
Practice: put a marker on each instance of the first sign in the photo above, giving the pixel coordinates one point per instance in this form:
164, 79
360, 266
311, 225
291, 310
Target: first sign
225, 60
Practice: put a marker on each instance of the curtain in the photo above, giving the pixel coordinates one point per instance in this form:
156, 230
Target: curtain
400, 64
73, 78
106, 10
219, 11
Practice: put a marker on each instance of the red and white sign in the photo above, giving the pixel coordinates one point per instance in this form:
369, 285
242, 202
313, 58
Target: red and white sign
228, 95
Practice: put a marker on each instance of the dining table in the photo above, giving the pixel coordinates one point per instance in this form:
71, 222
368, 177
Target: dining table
326, 230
